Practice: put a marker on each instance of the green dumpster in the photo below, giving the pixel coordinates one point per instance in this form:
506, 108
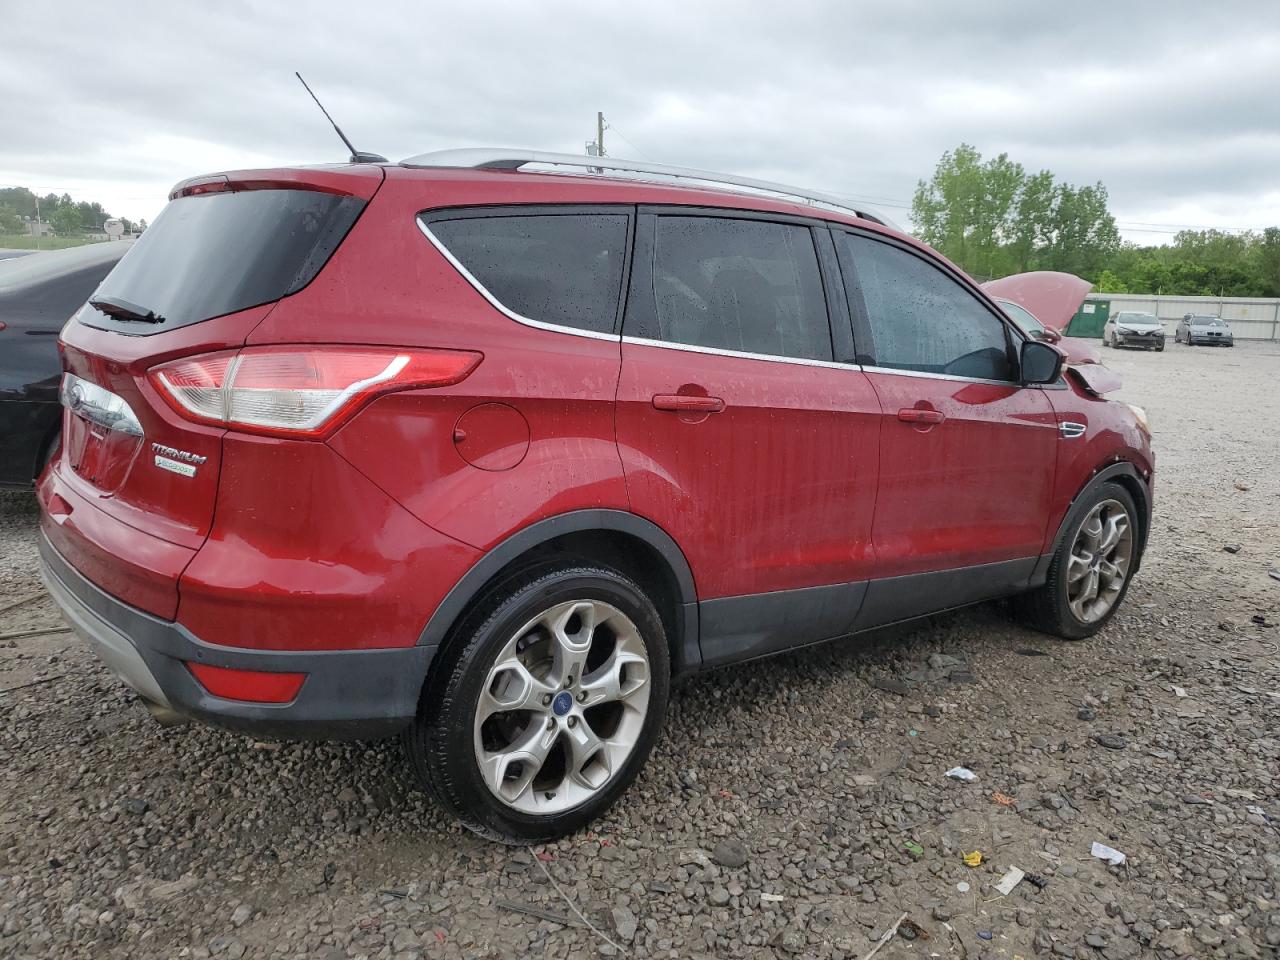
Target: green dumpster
1090, 319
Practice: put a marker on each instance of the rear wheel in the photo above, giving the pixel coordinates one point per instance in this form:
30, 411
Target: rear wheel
548, 706
1089, 575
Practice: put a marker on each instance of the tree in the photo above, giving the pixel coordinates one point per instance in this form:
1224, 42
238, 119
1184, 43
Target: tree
994, 219
1110, 283
66, 219
10, 222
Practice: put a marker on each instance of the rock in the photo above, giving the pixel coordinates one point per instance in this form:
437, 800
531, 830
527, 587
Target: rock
624, 923
1095, 939
135, 805
174, 889
891, 685
719, 896
730, 853
1111, 741
241, 915
1086, 713
1231, 548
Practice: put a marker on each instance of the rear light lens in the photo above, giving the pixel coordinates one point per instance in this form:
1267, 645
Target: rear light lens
299, 391
251, 686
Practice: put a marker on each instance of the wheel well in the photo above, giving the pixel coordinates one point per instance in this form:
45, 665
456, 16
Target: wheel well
1140, 494
628, 554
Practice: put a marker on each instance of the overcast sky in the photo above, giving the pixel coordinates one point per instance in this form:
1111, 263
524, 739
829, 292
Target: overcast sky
1175, 107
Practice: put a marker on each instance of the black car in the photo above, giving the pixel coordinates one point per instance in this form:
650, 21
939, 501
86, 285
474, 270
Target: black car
38, 293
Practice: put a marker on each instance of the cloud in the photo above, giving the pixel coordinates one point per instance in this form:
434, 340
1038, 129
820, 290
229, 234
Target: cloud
1172, 106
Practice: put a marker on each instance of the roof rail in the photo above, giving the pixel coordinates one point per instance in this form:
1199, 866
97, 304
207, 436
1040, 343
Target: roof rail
486, 158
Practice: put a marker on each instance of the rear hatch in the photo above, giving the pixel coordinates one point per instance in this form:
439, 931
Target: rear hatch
209, 270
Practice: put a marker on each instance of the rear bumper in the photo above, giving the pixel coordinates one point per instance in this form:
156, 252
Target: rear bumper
347, 694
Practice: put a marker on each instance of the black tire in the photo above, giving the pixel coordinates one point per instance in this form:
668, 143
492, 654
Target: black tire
440, 742
1046, 608
1160, 349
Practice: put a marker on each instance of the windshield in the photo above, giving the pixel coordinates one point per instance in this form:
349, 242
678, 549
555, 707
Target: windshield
219, 253
1022, 317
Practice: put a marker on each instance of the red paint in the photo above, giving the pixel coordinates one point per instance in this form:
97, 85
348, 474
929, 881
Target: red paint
1052, 297
767, 475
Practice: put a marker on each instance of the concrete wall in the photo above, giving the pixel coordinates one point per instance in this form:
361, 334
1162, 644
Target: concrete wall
1249, 319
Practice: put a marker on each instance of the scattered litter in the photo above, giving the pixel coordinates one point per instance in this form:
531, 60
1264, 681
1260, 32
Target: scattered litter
910, 930
1037, 881
1004, 799
914, 849
542, 913
1031, 652
962, 886
1111, 741
973, 859
985, 934
1274, 573
1179, 691
885, 938
1241, 486
398, 894
1009, 881
962, 773
1257, 811
1109, 854
772, 897
1231, 548
913, 733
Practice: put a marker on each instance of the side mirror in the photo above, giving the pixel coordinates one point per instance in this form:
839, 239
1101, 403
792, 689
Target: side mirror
1040, 362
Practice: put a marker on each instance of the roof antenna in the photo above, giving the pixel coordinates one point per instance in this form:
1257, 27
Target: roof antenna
356, 155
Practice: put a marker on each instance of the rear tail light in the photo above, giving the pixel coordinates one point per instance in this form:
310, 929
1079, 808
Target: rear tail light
252, 686
299, 391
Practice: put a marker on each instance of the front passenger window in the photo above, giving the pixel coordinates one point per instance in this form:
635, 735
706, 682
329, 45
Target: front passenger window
922, 319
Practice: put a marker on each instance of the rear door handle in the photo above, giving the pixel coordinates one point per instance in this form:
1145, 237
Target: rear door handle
683, 403
915, 415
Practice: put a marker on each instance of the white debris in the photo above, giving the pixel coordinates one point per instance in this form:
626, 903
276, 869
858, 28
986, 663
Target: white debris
1109, 854
962, 773
1009, 881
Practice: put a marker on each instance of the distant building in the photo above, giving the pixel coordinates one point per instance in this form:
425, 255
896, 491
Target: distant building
38, 228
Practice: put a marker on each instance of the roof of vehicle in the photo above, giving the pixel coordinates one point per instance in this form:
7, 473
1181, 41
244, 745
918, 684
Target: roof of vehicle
482, 158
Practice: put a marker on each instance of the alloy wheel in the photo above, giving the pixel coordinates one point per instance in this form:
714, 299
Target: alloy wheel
562, 707
1100, 558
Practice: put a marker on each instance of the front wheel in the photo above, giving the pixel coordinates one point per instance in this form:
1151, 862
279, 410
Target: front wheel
1089, 574
547, 707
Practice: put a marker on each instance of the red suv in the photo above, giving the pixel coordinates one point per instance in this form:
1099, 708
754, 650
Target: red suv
488, 456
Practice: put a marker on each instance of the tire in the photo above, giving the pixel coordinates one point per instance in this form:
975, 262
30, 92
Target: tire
448, 742
1160, 349
1050, 608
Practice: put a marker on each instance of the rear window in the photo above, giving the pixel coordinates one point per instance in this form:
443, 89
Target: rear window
564, 269
218, 253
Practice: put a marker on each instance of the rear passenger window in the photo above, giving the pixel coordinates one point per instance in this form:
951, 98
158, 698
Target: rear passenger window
920, 318
563, 268
745, 285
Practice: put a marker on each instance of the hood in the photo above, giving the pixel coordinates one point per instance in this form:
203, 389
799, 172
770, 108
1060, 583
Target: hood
1053, 297
1139, 324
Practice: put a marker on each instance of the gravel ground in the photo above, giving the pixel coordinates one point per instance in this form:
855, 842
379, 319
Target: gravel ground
797, 807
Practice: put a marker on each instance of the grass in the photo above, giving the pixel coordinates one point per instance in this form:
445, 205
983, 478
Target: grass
20, 241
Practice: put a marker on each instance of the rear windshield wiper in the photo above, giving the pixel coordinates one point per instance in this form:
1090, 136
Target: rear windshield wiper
124, 310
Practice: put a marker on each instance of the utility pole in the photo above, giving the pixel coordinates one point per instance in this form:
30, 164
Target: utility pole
599, 133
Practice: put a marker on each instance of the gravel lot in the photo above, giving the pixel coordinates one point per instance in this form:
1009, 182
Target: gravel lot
796, 807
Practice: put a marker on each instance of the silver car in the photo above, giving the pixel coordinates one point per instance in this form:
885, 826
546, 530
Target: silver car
1130, 328
1215, 331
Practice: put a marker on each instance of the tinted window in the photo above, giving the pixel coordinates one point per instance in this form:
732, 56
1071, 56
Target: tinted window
741, 285
221, 252
564, 268
922, 319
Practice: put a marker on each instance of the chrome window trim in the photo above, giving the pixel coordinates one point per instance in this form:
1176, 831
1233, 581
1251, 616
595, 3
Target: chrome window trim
896, 372
745, 355
497, 304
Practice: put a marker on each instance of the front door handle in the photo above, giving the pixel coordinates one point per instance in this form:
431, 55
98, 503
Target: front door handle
684, 403
916, 415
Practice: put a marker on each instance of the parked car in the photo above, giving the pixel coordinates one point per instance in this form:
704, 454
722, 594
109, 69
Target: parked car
1059, 295
38, 294
1132, 328
488, 457
1214, 331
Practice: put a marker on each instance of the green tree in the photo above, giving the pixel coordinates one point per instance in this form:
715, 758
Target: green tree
1110, 283
66, 219
10, 222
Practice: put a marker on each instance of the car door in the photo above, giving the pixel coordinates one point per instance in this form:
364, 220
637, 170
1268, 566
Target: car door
744, 431
967, 454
